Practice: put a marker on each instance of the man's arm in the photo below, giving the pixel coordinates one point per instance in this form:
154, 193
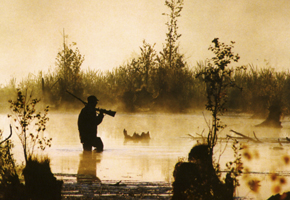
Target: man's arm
99, 118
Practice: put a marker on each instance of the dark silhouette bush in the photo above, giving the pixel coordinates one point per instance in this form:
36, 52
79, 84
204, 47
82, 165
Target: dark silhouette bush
40, 183
197, 179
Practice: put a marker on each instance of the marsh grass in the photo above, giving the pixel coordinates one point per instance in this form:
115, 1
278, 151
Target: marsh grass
261, 86
117, 88
40, 183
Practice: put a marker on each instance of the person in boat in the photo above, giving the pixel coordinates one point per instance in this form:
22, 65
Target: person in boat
88, 122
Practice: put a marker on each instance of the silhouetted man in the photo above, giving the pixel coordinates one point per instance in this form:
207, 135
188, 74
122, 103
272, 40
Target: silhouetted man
88, 122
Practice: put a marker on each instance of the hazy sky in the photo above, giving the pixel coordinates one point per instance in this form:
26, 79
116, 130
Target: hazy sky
109, 32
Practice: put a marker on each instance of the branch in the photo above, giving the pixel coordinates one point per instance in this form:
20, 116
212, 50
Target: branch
256, 136
246, 137
8, 136
207, 123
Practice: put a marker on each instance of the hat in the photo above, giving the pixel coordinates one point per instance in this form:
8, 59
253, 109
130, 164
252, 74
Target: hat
92, 99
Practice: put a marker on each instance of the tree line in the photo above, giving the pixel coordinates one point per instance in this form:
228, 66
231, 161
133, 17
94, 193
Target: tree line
149, 83
152, 81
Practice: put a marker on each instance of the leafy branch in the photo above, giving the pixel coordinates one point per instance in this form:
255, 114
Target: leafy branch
29, 124
218, 77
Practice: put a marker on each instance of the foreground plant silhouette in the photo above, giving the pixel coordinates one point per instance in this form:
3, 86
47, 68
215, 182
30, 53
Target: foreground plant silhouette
10, 185
40, 182
30, 125
218, 78
199, 178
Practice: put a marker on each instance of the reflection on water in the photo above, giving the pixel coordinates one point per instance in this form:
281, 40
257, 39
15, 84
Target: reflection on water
155, 160
87, 171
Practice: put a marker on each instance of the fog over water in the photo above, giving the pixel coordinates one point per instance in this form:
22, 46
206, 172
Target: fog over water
155, 160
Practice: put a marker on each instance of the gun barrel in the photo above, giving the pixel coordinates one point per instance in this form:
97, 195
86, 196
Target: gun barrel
108, 112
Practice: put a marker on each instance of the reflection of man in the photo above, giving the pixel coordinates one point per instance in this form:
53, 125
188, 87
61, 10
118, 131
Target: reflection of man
87, 171
88, 122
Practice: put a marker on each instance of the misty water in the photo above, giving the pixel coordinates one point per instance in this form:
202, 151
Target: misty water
170, 141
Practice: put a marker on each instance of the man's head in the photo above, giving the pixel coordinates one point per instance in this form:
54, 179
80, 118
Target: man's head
92, 100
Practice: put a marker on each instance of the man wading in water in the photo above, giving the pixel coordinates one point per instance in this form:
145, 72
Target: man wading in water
88, 122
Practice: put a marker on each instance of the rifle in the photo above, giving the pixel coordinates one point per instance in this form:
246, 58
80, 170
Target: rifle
108, 112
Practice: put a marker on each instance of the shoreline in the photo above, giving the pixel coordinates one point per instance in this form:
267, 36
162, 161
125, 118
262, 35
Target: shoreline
88, 187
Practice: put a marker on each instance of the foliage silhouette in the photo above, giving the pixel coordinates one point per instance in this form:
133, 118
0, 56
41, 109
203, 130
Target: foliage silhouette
69, 63
10, 185
40, 182
29, 124
199, 178
218, 78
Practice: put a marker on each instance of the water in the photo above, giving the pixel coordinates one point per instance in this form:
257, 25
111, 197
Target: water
170, 141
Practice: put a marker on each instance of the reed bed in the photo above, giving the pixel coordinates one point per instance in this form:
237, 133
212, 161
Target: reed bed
134, 88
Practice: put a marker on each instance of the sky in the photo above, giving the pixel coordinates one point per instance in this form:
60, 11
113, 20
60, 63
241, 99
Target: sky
110, 32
